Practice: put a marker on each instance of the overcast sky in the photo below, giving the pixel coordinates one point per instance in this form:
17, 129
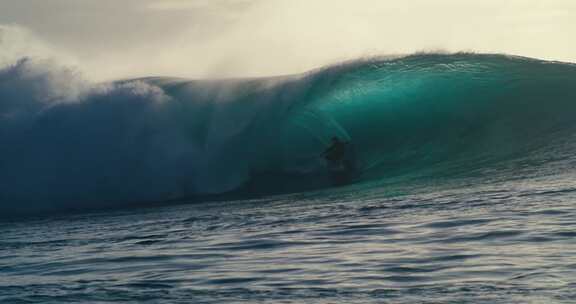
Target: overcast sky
229, 38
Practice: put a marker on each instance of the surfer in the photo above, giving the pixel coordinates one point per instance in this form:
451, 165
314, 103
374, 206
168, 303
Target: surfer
336, 153
340, 162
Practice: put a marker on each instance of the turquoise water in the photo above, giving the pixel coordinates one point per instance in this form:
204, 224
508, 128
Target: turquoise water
211, 191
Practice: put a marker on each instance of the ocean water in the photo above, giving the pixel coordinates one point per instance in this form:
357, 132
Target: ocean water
510, 242
165, 190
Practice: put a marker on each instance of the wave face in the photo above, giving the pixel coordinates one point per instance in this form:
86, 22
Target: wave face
70, 144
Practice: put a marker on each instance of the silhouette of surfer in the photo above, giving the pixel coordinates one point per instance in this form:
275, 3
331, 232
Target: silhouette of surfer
336, 153
339, 161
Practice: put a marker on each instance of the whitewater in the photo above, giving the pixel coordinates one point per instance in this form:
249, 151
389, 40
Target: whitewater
172, 190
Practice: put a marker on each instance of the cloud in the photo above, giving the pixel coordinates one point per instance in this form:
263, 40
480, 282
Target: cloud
88, 26
124, 35
218, 5
224, 38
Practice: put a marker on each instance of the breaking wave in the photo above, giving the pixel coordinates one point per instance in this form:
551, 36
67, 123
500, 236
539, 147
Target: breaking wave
68, 143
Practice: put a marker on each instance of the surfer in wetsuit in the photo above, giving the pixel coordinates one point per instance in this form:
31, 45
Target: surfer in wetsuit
336, 153
340, 162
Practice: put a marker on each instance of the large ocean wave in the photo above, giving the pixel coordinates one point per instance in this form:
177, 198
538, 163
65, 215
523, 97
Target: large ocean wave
67, 143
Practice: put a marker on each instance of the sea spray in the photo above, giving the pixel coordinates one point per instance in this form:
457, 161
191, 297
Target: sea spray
72, 144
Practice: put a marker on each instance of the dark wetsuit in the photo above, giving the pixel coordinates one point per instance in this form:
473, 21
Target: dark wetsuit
336, 153
340, 162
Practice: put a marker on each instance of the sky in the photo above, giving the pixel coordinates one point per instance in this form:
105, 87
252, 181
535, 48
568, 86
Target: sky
112, 39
